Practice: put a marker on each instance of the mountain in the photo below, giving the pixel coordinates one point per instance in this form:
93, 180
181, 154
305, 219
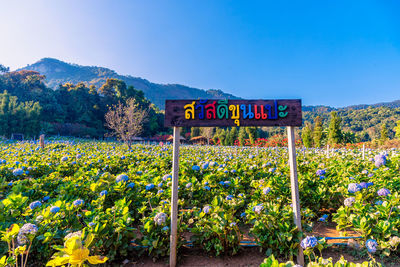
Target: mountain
58, 72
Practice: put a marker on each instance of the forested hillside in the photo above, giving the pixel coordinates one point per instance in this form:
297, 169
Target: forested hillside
364, 120
58, 72
28, 106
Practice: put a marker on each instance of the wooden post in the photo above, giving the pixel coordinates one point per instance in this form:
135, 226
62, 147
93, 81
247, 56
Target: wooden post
174, 198
294, 186
42, 140
363, 151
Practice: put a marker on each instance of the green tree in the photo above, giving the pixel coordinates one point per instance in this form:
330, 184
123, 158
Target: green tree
334, 131
307, 135
4, 69
222, 137
233, 135
252, 132
318, 132
384, 133
397, 129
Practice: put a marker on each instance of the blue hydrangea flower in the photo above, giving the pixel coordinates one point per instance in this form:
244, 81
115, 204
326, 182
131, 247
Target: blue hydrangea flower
35, 204
195, 168
78, 202
205, 166
160, 185
322, 177
188, 185
18, 172
46, 198
243, 215
122, 178
229, 197
160, 191
320, 172
54, 209
383, 192
131, 185
205, 183
354, 187
379, 202
103, 193
139, 172
323, 218
91, 224
371, 245
232, 224
309, 242
226, 184
63, 159
207, 188
10, 183
165, 229
149, 187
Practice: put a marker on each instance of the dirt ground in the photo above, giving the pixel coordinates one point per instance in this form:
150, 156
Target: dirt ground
252, 256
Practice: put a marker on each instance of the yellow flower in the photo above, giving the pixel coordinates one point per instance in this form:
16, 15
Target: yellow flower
75, 253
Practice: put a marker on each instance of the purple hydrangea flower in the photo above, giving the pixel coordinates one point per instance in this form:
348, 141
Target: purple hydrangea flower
206, 209
26, 230
323, 218
348, 202
383, 192
229, 197
320, 172
380, 160
257, 209
266, 190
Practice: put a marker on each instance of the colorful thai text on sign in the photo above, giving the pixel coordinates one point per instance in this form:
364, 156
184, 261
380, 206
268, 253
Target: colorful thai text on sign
226, 112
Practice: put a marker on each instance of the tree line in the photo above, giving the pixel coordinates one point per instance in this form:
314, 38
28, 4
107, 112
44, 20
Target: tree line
29, 107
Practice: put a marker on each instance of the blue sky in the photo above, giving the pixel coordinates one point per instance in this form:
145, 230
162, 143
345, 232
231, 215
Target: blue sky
334, 53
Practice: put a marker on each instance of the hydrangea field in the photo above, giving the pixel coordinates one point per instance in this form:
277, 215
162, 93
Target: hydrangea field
93, 202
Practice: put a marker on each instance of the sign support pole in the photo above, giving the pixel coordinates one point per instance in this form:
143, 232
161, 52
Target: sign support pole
294, 186
41, 139
174, 198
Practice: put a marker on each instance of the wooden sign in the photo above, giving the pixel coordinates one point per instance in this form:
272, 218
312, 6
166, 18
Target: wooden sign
205, 113
213, 112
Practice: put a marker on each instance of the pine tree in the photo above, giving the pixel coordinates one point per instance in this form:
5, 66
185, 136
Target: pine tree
242, 136
233, 135
318, 131
252, 132
222, 137
334, 131
306, 135
194, 131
